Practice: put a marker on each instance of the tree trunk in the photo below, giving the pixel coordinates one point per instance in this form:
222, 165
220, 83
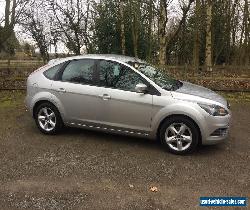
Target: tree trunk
13, 13
56, 50
229, 8
7, 13
196, 51
134, 9
234, 22
248, 48
246, 23
121, 7
208, 61
134, 36
162, 33
77, 43
150, 25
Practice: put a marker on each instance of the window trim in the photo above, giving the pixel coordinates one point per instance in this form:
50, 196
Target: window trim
60, 73
151, 89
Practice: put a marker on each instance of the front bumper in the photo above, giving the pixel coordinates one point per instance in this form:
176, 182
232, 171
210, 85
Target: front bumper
216, 129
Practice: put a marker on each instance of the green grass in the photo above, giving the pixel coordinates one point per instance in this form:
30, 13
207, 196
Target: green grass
11, 99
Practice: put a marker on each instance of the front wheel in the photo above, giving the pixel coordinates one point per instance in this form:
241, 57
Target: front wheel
179, 135
48, 119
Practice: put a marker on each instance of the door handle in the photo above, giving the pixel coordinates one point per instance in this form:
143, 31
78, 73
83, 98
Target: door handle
105, 97
62, 90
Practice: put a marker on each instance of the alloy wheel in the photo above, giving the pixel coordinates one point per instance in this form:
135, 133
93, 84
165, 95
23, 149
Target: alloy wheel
46, 119
178, 136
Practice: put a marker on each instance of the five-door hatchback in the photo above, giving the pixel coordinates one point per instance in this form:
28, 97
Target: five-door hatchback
125, 95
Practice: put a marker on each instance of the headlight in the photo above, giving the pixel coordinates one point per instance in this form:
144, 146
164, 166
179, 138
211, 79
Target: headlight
214, 110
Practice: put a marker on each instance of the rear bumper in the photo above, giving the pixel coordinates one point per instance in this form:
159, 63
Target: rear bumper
27, 102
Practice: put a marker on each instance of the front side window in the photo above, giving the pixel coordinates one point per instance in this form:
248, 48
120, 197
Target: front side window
79, 71
118, 76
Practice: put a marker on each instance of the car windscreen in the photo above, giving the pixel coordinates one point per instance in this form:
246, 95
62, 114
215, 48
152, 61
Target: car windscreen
157, 75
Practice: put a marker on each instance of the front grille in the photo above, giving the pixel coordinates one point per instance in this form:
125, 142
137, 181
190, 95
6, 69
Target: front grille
220, 132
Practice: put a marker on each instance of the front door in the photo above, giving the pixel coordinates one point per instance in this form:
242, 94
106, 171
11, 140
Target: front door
123, 107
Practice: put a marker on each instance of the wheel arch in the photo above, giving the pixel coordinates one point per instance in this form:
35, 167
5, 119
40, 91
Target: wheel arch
48, 97
179, 115
38, 103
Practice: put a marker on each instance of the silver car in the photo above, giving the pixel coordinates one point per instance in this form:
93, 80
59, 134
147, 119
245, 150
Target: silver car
125, 95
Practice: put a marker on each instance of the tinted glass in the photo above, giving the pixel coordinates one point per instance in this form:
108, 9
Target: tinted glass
79, 71
115, 75
51, 72
158, 76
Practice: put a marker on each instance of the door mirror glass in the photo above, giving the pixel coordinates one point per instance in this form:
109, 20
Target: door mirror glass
141, 88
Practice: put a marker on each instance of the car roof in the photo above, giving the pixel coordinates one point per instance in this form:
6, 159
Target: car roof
121, 58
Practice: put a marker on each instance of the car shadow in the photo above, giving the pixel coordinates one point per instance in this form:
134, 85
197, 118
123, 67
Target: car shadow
99, 136
118, 139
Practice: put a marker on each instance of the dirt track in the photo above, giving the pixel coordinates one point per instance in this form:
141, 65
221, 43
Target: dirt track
87, 170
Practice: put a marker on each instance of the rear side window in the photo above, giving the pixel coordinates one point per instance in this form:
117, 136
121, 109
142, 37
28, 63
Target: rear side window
51, 72
79, 71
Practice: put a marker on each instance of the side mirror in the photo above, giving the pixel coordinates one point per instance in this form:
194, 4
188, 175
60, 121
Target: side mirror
141, 88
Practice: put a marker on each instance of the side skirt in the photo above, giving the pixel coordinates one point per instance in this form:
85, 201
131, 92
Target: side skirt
110, 129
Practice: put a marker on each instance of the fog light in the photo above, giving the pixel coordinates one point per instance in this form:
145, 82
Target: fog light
220, 132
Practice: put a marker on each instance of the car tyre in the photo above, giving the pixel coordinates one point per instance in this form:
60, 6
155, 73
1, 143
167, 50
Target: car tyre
179, 135
48, 118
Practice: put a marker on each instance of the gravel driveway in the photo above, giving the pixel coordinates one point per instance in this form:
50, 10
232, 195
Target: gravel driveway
81, 169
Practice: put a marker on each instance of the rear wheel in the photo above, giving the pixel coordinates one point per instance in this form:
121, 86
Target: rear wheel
48, 118
179, 135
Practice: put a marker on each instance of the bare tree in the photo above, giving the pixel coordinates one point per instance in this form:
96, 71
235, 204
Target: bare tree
55, 36
36, 24
73, 21
165, 40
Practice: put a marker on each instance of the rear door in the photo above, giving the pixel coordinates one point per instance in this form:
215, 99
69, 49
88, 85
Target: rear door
123, 107
77, 91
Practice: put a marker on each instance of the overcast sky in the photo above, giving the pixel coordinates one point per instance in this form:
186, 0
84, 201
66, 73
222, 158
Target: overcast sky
1, 8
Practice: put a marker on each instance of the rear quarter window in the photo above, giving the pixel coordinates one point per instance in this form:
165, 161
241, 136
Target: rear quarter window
51, 72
